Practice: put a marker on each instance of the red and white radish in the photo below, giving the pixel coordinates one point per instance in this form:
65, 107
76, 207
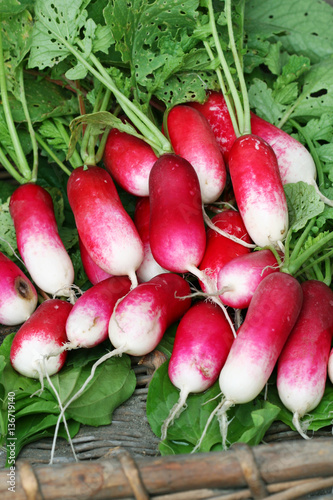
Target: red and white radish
18, 295
202, 343
193, 139
239, 278
36, 344
105, 228
177, 230
221, 249
129, 160
294, 160
88, 322
216, 111
38, 240
258, 190
149, 267
303, 362
94, 273
272, 314
140, 319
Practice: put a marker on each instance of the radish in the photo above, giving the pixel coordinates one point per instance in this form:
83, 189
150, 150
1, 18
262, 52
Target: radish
193, 139
38, 240
216, 112
258, 190
330, 366
36, 344
88, 322
295, 161
177, 229
303, 362
202, 343
94, 273
105, 228
129, 160
239, 278
273, 312
149, 267
18, 295
139, 320
221, 249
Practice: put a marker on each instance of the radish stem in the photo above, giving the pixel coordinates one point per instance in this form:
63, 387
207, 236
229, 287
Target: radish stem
21, 159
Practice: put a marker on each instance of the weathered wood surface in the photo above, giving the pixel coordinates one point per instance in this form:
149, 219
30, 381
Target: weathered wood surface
118, 476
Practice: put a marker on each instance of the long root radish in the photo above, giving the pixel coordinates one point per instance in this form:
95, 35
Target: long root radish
105, 228
38, 240
302, 365
202, 343
273, 311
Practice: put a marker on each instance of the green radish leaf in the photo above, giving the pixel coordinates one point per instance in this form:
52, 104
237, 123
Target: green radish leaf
303, 27
13, 7
16, 39
7, 231
113, 383
317, 91
262, 101
248, 423
44, 99
303, 204
32, 428
57, 26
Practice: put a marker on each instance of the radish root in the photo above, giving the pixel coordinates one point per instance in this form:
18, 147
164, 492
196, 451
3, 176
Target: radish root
226, 235
116, 352
300, 427
175, 411
212, 293
223, 421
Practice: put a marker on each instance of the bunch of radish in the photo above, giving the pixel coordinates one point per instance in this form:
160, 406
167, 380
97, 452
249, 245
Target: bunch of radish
143, 271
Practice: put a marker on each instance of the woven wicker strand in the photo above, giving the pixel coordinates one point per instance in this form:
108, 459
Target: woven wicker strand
287, 471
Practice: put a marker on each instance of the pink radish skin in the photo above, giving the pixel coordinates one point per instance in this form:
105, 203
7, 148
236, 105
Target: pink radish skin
273, 311
177, 229
258, 190
202, 343
294, 160
272, 314
94, 273
40, 338
88, 322
38, 240
18, 295
193, 139
140, 319
129, 160
302, 365
149, 267
241, 276
217, 114
330, 366
105, 228
220, 249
